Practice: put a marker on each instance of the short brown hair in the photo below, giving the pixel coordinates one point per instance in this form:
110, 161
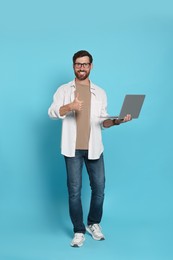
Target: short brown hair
81, 54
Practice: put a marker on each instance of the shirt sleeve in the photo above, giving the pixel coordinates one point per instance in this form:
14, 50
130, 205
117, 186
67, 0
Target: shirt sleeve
104, 113
58, 101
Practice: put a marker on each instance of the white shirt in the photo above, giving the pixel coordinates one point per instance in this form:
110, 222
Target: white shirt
65, 95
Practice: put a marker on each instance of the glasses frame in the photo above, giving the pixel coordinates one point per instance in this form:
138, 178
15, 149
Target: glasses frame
79, 65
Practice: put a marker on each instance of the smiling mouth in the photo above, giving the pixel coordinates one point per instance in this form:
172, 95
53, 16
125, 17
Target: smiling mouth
82, 72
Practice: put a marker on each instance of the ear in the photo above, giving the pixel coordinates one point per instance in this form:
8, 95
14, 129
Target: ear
91, 66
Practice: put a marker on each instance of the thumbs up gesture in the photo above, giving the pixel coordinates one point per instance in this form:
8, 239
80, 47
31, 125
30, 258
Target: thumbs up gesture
77, 104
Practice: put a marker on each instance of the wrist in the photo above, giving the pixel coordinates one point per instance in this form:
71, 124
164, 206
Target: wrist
70, 106
115, 122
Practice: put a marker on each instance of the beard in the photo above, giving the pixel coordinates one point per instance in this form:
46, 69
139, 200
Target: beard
82, 74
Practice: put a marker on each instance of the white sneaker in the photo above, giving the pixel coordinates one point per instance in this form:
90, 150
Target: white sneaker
78, 240
95, 231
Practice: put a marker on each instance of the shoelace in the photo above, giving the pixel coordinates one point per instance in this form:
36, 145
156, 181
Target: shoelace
96, 227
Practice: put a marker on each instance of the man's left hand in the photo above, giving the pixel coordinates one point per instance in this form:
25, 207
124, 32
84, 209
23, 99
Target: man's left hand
127, 118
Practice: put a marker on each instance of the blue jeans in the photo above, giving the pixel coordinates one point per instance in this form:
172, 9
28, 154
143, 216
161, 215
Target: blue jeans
96, 172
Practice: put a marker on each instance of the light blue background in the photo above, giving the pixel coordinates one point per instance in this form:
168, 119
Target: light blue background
132, 46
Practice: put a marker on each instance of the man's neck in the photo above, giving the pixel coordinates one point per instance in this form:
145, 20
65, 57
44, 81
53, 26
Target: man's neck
82, 82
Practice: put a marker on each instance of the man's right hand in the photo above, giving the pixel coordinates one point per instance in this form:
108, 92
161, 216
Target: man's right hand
77, 104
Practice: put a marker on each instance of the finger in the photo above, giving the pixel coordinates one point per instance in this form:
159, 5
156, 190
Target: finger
81, 105
127, 117
80, 108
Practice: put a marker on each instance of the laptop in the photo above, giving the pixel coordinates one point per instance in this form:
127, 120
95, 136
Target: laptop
132, 105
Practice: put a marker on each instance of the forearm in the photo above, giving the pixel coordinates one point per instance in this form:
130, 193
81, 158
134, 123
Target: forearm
64, 110
109, 122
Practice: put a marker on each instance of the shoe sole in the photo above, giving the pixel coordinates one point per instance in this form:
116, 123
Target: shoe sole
95, 238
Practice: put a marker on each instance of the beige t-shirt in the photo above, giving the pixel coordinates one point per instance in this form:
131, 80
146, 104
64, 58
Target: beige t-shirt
83, 117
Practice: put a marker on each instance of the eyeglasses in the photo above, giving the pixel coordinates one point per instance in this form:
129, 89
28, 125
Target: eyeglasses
79, 65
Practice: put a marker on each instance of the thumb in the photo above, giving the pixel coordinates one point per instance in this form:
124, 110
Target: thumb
77, 96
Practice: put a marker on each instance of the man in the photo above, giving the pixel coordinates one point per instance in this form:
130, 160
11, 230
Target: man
82, 106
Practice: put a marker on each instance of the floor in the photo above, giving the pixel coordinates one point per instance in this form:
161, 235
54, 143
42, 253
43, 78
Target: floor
125, 240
